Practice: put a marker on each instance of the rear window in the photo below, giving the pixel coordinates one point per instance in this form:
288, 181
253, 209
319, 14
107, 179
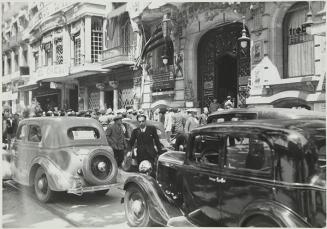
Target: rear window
231, 117
83, 133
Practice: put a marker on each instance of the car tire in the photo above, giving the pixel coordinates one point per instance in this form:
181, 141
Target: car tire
261, 221
102, 192
41, 186
91, 172
136, 208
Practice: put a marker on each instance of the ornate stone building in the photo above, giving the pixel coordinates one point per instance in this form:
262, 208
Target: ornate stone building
192, 53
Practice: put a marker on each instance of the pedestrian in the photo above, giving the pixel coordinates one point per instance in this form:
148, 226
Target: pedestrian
103, 119
156, 115
147, 139
204, 116
178, 122
191, 121
214, 105
168, 125
116, 139
11, 127
228, 104
129, 113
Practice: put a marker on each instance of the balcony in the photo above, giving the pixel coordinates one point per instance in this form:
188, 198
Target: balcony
118, 56
15, 40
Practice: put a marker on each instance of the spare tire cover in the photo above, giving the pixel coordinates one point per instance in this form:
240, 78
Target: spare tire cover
100, 167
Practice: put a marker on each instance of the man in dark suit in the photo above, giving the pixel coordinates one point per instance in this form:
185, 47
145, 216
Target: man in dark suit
146, 138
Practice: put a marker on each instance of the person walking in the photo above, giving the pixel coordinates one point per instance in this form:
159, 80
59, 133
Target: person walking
214, 105
168, 125
147, 142
204, 116
116, 139
191, 121
228, 104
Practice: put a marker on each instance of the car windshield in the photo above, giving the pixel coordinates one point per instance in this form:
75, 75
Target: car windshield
232, 117
83, 133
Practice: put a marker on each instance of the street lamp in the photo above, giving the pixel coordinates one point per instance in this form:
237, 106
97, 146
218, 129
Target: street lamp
243, 40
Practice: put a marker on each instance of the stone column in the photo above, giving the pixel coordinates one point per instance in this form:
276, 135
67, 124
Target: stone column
6, 64
29, 98
66, 45
12, 53
87, 39
114, 85
20, 56
101, 99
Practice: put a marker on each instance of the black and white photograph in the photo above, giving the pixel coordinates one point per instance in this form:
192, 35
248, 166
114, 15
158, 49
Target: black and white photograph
155, 113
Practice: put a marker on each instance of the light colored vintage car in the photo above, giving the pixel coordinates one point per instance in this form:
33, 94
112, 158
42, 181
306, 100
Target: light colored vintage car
68, 154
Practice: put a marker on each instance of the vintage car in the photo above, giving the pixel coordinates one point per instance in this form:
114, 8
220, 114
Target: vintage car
237, 114
263, 113
68, 154
263, 173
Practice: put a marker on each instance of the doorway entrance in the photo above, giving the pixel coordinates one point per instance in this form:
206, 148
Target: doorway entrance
218, 64
109, 99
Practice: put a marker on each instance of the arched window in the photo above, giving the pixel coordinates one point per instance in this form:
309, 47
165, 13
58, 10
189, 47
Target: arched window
298, 45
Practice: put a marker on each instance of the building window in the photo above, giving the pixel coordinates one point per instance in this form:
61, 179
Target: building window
59, 50
298, 44
3, 67
48, 54
96, 39
16, 63
77, 49
36, 58
9, 65
25, 58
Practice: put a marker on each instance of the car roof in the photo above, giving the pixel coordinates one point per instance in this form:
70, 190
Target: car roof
70, 121
279, 112
307, 125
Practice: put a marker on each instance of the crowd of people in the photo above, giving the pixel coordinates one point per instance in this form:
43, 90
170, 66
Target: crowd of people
175, 120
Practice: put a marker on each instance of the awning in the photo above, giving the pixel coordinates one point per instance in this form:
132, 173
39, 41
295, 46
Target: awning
117, 12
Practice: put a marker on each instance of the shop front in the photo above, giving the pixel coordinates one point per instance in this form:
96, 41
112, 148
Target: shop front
49, 99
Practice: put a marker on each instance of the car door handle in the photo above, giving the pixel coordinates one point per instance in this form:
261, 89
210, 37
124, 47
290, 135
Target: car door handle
217, 179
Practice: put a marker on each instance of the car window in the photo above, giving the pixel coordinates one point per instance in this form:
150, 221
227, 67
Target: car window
21, 132
34, 134
83, 133
206, 149
248, 154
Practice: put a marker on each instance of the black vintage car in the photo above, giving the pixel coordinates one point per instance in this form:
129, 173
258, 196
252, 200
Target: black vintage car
247, 173
237, 114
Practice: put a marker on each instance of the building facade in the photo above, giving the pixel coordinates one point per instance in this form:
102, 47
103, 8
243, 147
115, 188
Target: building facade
85, 55
282, 66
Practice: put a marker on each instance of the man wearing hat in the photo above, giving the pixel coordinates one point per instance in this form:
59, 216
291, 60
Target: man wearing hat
116, 138
191, 121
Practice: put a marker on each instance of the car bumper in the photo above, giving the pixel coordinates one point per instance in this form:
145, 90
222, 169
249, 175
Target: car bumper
81, 190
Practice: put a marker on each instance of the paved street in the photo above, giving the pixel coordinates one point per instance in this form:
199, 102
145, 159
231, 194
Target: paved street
21, 209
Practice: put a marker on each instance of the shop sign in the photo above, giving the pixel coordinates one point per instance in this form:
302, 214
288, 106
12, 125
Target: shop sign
54, 85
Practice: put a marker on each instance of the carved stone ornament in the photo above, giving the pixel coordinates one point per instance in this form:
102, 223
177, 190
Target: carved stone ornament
100, 86
114, 84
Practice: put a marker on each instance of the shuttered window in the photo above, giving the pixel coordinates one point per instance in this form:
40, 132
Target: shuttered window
298, 44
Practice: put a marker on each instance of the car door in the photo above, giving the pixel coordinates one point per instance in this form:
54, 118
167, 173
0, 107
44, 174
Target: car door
202, 183
18, 151
32, 147
248, 172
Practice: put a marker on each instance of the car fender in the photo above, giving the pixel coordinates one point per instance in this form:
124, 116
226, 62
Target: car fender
58, 179
282, 215
161, 209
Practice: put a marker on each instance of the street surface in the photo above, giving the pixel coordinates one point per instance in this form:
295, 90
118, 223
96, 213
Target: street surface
21, 209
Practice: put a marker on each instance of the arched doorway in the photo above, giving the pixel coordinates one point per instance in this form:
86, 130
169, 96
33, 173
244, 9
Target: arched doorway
219, 64
226, 76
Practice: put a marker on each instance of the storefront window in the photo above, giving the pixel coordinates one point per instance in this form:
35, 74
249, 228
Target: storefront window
298, 44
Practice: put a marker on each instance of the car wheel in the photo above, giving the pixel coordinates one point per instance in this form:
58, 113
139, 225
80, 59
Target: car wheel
41, 186
136, 208
100, 167
261, 221
102, 192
